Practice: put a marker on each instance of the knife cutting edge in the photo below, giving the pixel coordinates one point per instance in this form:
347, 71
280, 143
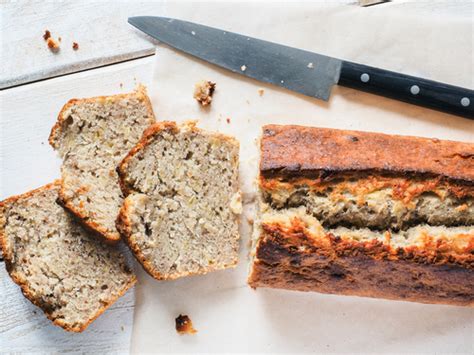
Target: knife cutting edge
308, 73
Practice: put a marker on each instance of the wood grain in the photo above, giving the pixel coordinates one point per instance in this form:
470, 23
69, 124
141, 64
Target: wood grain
27, 161
102, 39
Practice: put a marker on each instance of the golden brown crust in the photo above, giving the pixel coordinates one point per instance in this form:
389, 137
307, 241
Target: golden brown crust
292, 258
81, 215
8, 257
309, 151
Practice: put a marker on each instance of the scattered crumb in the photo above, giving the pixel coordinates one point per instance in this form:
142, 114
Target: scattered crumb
46, 35
59, 39
121, 85
310, 65
261, 92
42, 143
123, 328
228, 119
184, 325
203, 92
243, 68
53, 45
193, 33
75, 46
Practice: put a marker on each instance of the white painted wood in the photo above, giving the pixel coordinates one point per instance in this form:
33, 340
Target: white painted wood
100, 29
27, 114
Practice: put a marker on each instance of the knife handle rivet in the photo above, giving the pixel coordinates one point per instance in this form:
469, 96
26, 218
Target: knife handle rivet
365, 78
415, 89
465, 102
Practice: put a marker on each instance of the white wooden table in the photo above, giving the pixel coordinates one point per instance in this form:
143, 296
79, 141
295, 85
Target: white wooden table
112, 58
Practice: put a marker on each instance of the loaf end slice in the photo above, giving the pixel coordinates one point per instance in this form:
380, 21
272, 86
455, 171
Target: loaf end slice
92, 136
181, 213
59, 266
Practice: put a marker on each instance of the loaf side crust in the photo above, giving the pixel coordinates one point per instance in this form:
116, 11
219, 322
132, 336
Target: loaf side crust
429, 273
292, 150
23, 284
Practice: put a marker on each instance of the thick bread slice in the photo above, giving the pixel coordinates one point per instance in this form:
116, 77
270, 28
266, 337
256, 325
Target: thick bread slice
59, 266
365, 214
92, 136
180, 217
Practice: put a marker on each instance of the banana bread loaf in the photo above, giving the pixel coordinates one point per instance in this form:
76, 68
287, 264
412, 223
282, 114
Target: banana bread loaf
365, 214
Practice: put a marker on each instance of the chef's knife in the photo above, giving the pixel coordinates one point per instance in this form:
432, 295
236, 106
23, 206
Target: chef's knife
302, 71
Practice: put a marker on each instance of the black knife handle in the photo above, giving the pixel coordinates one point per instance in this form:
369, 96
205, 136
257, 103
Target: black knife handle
442, 97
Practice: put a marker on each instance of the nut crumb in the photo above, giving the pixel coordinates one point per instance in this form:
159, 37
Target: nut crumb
46, 35
184, 325
261, 92
310, 65
228, 119
75, 46
53, 45
203, 92
243, 68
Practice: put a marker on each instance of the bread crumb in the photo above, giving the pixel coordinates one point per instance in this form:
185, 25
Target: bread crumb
310, 65
243, 68
228, 119
236, 203
75, 46
261, 92
59, 39
121, 85
184, 325
53, 45
46, 35
203, 92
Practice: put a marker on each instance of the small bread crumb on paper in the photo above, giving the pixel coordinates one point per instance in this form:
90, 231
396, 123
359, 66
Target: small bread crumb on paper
184, 325
75, 46
53, 45
227, 119
203, 92
261, 91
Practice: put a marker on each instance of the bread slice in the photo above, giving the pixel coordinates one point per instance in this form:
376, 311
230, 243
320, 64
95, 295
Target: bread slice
92, 136
59, 266
180, 215
365, 214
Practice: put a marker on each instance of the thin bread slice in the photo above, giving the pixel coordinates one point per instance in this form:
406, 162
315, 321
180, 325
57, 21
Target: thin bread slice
92, 136
181, 213
60, 267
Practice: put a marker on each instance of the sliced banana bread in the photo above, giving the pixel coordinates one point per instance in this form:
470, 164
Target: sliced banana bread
92, 136
365, 214
60, 267
180, 216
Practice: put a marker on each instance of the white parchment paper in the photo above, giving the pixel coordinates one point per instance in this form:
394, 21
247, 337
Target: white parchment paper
231, 317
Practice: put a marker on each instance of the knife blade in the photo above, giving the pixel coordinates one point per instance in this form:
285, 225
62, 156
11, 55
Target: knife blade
308, 73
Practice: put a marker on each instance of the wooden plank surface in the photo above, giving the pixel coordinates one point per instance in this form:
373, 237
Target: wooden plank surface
100, 29
27, 161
